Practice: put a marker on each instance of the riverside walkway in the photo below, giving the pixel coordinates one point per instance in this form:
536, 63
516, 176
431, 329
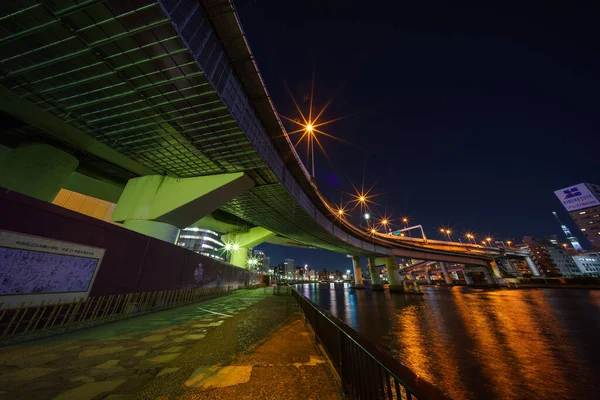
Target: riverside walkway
249, 344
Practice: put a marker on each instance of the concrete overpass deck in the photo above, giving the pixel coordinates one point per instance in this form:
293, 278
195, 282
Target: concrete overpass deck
167, 88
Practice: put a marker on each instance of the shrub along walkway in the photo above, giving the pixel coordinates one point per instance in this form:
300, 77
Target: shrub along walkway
249, 344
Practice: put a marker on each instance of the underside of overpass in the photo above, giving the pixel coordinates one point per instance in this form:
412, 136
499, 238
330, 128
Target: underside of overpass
163, 88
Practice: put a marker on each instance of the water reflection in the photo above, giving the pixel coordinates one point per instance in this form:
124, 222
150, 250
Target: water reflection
482, 344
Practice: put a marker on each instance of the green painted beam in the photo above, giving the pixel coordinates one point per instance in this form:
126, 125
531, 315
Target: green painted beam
213, 224
178, 201
97, 188
36, 170
35, 116
251, 238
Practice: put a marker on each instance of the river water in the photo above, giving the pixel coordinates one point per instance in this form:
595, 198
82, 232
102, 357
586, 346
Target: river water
482, 343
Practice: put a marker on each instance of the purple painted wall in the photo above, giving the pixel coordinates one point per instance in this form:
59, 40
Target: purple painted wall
132, 262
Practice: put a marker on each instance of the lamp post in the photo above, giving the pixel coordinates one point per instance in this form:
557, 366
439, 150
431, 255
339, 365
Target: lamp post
447, 233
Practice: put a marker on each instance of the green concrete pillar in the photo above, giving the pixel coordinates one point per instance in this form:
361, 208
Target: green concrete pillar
159, 230
240, 242
375, 279
447, 277
489, 274
36, 170
358, 279
495, 269
393, 278
239, 257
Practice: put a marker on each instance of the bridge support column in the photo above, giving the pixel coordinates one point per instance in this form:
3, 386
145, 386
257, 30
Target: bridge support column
358, 279
468, 278
489, 275
159, 206
240, 243
375, 279
447, 277
427, 276
36, 170
393, 277
532, 266
495, 270
510, 268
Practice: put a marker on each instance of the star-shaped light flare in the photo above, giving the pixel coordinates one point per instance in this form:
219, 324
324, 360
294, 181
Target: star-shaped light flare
362, 198
311, 125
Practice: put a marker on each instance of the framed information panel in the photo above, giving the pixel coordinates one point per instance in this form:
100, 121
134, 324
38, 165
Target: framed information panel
35, 269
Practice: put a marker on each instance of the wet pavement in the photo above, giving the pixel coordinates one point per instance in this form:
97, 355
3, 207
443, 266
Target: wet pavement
249, 344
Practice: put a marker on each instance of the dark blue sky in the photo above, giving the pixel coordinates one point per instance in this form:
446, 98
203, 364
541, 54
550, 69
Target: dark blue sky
466, 117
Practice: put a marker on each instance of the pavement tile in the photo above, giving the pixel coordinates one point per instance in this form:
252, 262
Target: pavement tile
108, 364
168, 370
154, 338
88, 391
174, 349
194, 336
27, 374
101, 351
164, 358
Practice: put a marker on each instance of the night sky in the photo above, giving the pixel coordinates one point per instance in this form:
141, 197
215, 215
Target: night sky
467, 118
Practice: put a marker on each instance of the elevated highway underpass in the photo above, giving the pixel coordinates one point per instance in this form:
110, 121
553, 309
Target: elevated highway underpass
163, 101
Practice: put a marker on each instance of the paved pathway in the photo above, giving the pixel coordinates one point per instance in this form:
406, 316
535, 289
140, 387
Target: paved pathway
220, 348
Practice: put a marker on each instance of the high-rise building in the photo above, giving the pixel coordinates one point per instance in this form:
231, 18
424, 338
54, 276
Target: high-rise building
267, 263
289, 268
582, 202
259, 257
572, 239
203, 241
550, 257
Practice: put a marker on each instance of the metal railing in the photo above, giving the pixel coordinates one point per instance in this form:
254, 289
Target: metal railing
29, 322
366, 371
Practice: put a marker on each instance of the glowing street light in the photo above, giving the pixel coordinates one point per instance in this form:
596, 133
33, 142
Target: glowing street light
509, 242
470, 236
310, 127
446, 232
367, 216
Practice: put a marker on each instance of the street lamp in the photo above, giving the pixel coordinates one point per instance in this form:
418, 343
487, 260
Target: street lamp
509, 242
367, 216
446, 232
488, 240
471, 237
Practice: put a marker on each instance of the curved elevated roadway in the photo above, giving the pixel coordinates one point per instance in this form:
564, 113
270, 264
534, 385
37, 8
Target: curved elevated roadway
169, 88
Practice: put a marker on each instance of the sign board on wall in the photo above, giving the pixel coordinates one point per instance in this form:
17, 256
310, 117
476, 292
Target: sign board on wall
35, 269
577, 197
